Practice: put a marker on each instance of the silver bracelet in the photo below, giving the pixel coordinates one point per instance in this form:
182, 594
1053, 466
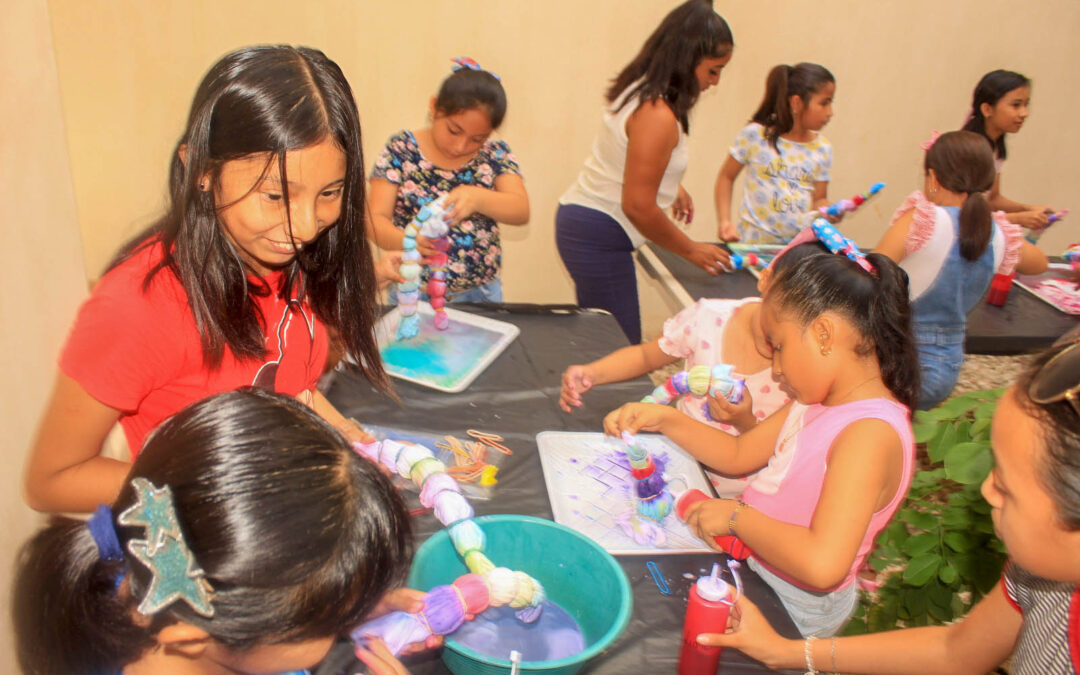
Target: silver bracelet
808, 652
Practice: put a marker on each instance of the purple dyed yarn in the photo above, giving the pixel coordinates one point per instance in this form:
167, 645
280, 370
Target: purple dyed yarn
647, 487
681, 381
436, 483
529, 614
444, 610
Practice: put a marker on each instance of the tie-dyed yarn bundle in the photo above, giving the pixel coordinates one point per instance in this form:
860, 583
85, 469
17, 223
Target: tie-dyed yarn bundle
429, 222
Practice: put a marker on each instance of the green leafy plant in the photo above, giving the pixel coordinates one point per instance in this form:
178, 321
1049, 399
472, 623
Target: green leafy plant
939, 552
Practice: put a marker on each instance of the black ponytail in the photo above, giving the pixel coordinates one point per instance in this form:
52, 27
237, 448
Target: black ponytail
963, 163
802, 80
67, 613
876, 304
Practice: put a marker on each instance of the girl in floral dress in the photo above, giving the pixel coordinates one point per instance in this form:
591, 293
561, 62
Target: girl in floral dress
454, 156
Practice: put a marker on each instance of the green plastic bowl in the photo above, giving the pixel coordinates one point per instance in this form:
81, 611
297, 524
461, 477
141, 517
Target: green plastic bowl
577, 574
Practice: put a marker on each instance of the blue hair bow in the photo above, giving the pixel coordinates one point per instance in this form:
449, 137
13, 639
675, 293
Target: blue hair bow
838, 243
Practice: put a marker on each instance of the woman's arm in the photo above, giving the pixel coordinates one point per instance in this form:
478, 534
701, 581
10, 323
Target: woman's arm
652, 133
977, 644
64, 471
725, 185
894, 243
622, 364
508, 203
864, 467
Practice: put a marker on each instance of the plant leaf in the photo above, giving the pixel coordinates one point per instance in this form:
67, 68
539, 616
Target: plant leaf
921, 543
921, 569
968, 463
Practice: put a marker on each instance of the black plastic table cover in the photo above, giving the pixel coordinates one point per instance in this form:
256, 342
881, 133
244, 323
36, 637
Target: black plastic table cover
517, 397
1024, 324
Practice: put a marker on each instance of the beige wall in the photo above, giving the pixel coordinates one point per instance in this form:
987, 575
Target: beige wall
127, 70
903, 68
43, 275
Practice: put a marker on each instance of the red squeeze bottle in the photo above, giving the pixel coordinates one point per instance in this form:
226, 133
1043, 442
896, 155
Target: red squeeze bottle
999, 289
706, 612
731, 544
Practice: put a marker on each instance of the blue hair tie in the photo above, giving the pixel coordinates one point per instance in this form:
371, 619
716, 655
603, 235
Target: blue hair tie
103, 531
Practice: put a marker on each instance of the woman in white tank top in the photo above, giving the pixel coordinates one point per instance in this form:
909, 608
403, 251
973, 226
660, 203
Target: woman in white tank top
632, 174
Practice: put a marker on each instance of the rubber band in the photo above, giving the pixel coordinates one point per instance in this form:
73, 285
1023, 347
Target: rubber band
658, 578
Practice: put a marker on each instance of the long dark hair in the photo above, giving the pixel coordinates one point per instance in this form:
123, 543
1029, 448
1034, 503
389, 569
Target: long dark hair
298, 536
876, 304
267, 99
665, 65
466, 89
990, 89
1059, 467
802, 80
963, 162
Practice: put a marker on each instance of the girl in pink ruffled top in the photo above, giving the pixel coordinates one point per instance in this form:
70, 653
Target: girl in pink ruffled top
709, 332
839, 457
951, 247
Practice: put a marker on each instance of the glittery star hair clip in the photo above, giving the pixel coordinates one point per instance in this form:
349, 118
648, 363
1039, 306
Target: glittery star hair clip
175, 575
838, 243
470, 63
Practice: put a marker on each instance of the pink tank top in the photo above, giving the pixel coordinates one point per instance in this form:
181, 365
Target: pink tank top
802, 454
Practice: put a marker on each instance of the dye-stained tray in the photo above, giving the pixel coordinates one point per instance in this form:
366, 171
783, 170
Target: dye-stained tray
447, 360
589, 485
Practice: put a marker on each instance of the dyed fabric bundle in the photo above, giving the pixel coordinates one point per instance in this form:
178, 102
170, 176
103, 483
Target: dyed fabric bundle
430, 224
446, 607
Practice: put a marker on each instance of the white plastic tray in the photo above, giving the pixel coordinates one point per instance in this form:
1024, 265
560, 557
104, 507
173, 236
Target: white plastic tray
447, 360
590, 490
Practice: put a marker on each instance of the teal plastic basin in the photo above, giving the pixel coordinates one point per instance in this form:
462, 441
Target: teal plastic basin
577, 574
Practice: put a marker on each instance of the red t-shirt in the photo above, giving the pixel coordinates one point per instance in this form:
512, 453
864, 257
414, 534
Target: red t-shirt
139, 351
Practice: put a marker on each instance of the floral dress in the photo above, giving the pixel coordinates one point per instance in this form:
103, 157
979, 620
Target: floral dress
475, 254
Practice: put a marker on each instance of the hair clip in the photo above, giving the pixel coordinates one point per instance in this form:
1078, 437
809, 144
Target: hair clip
164, 552
838, 243
927, 144
470, 63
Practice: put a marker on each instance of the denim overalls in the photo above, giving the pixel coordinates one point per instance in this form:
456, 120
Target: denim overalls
939, 316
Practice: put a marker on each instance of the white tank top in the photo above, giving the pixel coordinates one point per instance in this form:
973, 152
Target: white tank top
599, 185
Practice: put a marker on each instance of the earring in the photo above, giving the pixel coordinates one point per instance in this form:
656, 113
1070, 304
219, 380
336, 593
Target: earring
825, 351
202, 186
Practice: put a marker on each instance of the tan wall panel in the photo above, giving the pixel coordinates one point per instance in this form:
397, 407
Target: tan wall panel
43, 274
902, 69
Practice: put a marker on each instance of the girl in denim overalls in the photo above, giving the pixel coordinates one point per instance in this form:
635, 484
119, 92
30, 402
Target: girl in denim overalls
950, 244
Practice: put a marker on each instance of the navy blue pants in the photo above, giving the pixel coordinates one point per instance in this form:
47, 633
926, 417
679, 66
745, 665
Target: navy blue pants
600, 259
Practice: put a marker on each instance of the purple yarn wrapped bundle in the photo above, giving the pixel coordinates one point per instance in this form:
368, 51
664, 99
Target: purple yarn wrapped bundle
444, 610
651, 486
434, 485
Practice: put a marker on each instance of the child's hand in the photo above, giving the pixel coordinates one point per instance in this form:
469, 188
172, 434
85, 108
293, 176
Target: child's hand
739, 415
709, 257
378, 658
386, 269
749, 631
727, 231
709, 518
462, 202
406, 600
425, 247
1035, 220
354, 433
683, 208
575, 381
635, 417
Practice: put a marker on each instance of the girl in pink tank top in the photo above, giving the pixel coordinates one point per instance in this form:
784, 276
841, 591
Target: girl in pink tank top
840, 456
